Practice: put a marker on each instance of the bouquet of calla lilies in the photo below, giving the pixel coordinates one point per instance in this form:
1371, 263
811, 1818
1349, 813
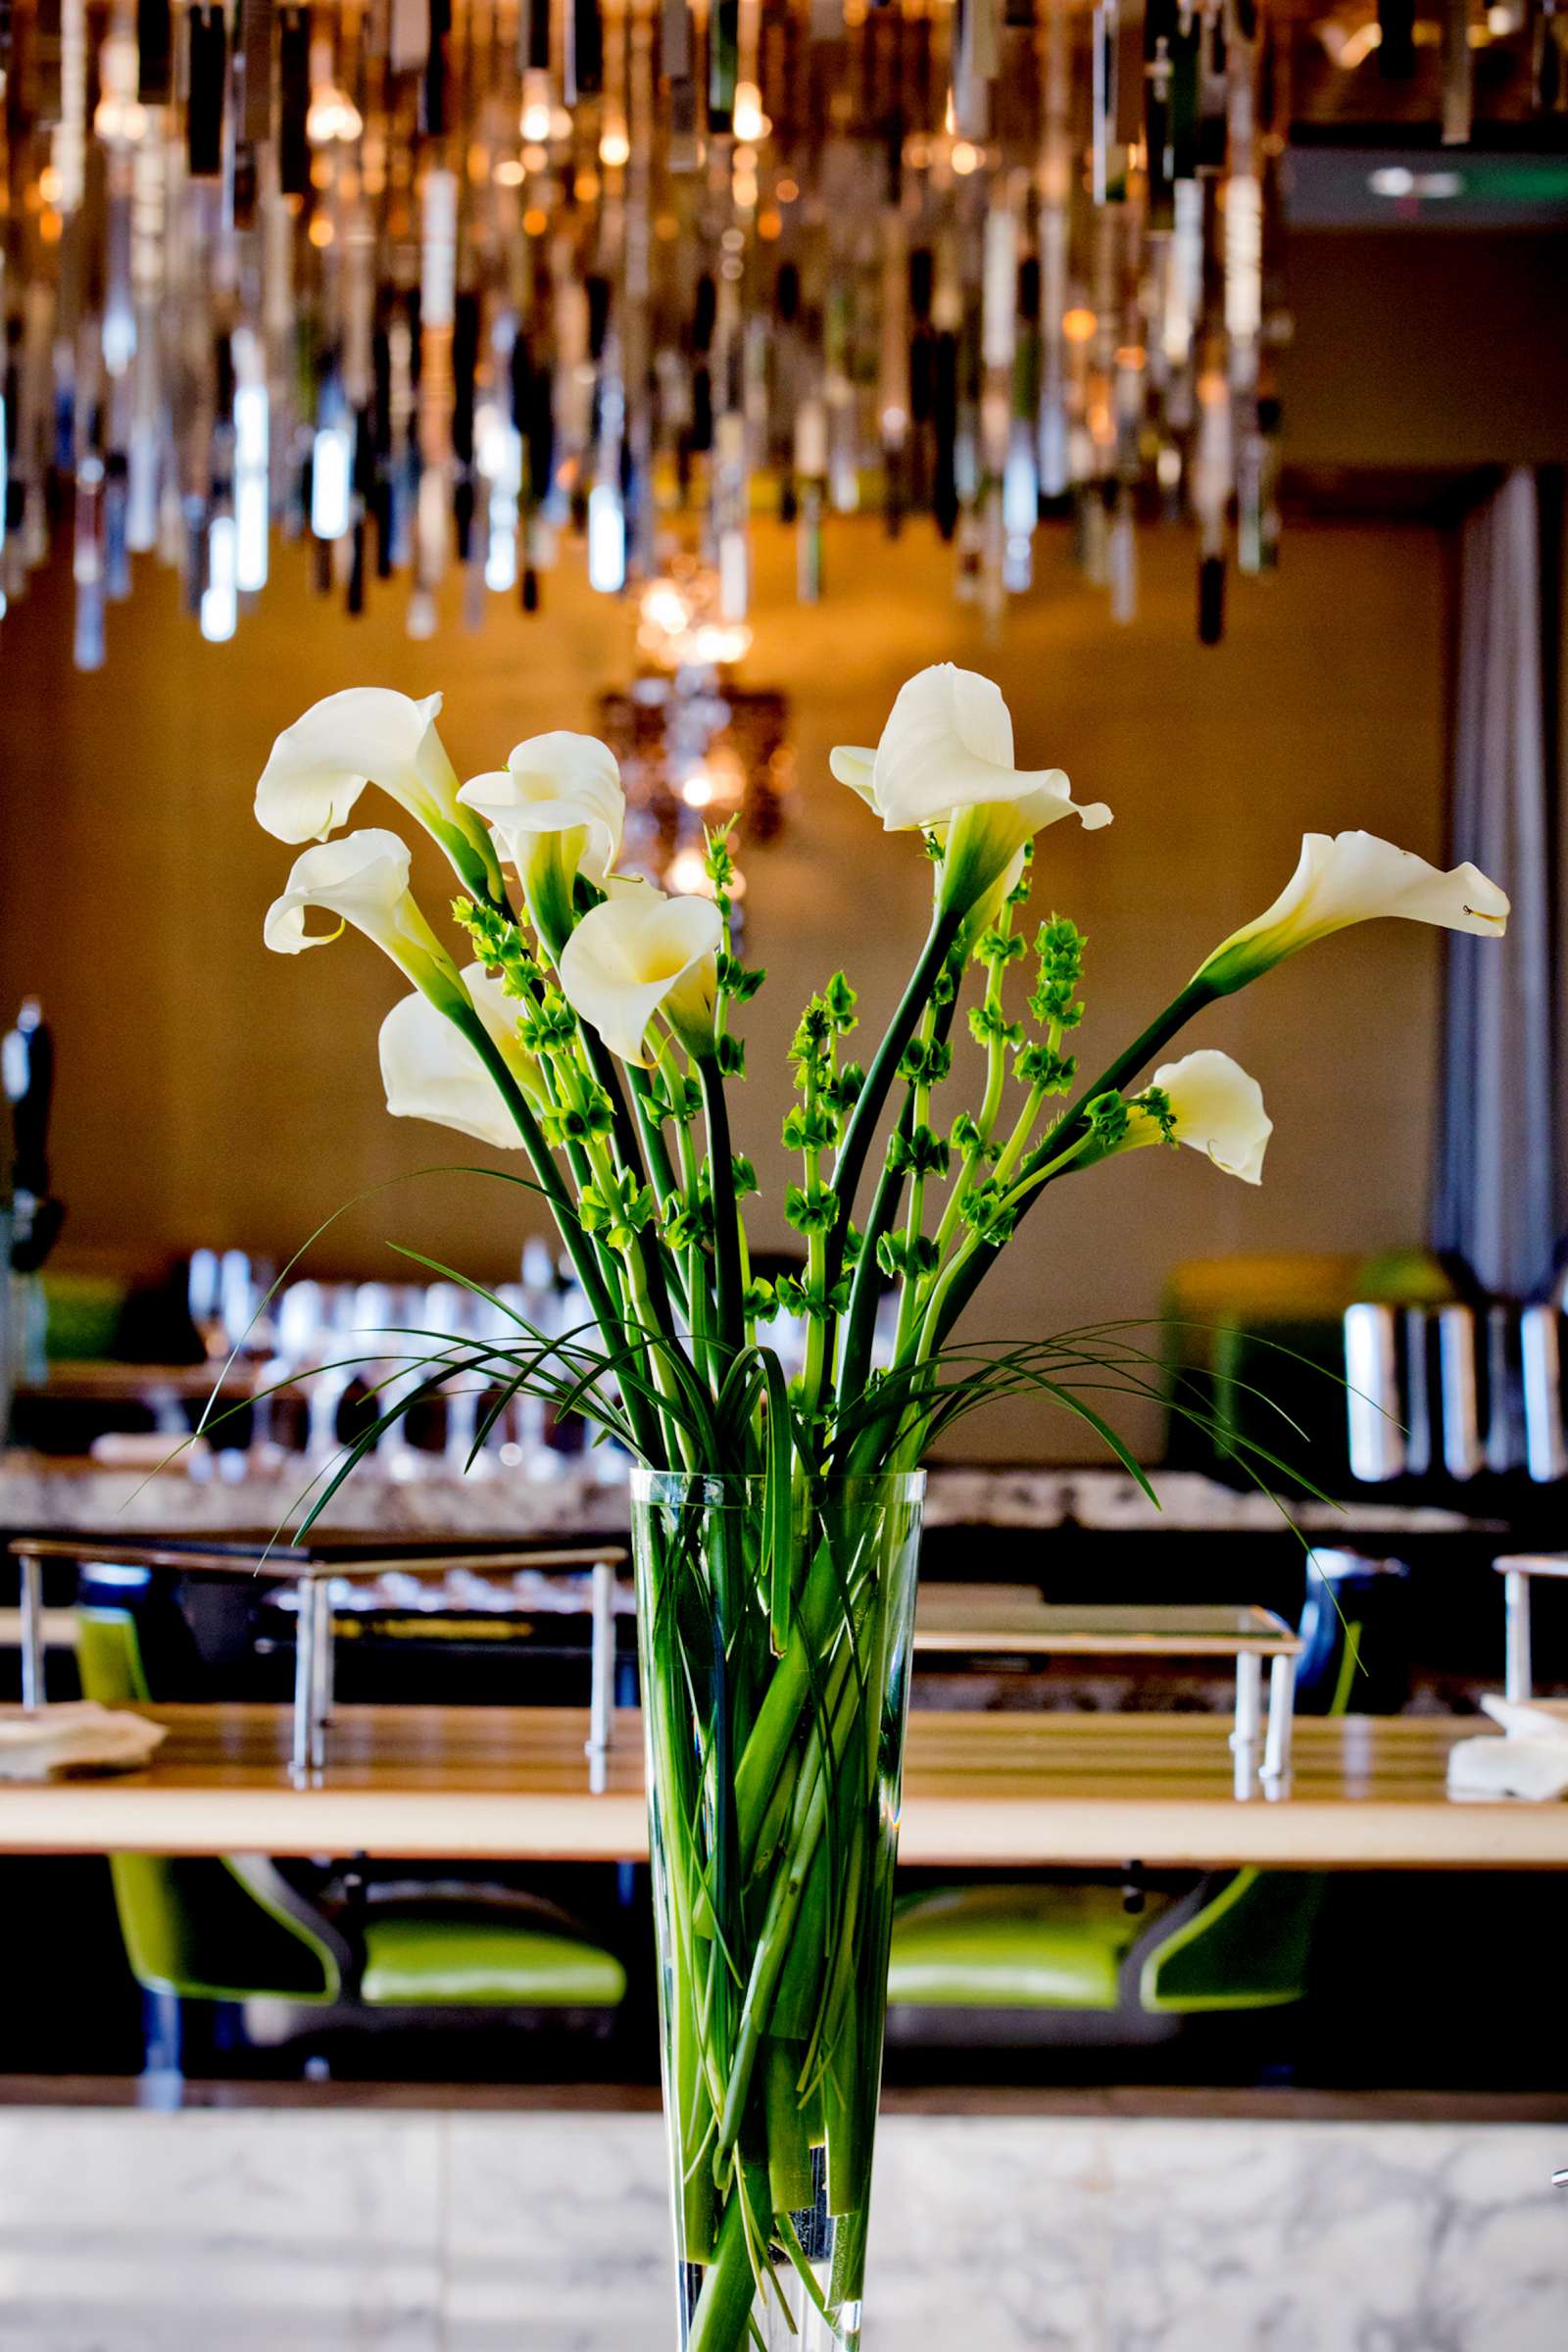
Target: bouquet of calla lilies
593, 1028
593, 1025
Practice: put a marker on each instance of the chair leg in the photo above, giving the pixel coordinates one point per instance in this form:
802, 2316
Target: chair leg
163, 2026
228, 2036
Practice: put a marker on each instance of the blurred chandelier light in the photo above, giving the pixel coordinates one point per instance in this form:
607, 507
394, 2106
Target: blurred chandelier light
442, 289
697, 749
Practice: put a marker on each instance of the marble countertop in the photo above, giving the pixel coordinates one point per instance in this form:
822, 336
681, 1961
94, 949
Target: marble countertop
38, 1495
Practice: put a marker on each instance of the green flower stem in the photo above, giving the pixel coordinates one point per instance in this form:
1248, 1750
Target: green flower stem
700, 2062
851, 1160
1023, 1126
602, 1067
808, 1817
914, 1220
640, 1274
789, 2145
745, 1248
726, 1244
768, 1748
822, 2048
699, 1292
655, 1348
600, 1303
471, 853
849, 2126
1114, 1079
860, 1319
659, 1166
815, 1261
824, 1788
774, 1972
582, 1175
991, 1104
723, 2320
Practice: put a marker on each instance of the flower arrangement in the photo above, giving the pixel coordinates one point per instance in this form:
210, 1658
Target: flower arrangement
593, 1027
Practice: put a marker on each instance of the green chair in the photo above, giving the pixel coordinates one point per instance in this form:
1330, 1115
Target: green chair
1044, 1962
231, 1929
1023, 1955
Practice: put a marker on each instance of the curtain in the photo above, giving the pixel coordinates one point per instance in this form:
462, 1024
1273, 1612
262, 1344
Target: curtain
1498, 1195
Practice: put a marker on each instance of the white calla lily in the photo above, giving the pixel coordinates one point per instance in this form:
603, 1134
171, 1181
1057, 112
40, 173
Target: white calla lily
319, 767
641, 956
432, 1070
1346, 878
944, 765
363, 880
557, 809
1215, 1107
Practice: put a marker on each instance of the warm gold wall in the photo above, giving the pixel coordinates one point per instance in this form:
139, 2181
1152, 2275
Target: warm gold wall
210, 1091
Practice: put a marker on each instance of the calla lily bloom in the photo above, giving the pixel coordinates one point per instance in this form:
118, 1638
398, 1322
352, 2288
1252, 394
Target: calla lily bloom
944, 765
1346, 878
319, 767
636, 958
1215, 1107
431, 1070
363, 880
556, 810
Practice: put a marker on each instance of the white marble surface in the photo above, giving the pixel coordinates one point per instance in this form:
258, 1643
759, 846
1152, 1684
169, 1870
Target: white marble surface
207, 2232
342, 2231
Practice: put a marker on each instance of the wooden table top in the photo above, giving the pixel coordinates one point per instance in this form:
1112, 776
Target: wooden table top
1004, 1789
1015, 1621
272, 1561
106, 1380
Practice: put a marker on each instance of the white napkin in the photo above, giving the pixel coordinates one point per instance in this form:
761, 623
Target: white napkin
73, 1736
1531, 1760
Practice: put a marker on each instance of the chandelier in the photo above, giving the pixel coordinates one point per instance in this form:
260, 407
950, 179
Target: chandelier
697, 749
438, 286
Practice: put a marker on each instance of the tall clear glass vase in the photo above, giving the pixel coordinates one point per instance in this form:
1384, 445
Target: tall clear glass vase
774, 1648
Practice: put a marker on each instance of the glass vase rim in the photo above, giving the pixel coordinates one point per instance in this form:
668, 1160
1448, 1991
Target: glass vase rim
733, 1490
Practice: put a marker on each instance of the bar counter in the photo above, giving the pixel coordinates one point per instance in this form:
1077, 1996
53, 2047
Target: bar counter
42, 1493
427, 2227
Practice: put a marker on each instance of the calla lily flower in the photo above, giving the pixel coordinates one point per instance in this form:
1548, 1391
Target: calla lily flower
1215, 1107
556, 810
363, 880
944, 765
639, 956
319, 767
431, 1070
1346, 878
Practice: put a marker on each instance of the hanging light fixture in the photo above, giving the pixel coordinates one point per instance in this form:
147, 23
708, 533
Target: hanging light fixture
442, 290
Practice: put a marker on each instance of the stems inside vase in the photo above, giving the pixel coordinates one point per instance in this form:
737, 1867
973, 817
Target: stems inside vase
774, 1791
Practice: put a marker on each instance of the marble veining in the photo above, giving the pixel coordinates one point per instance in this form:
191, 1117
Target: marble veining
345, 2231
257, 2232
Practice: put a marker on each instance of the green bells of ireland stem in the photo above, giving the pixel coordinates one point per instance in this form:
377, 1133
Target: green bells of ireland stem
777, 1500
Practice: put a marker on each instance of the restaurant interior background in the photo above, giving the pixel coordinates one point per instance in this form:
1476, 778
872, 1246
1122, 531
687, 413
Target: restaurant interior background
1379, 2134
